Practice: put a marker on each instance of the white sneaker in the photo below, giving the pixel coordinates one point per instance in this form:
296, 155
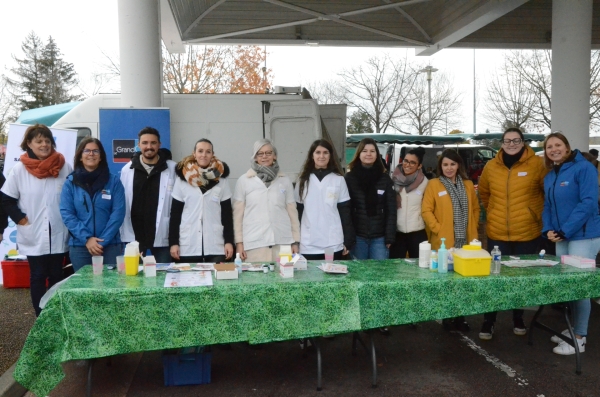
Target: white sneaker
556, 339
564, 349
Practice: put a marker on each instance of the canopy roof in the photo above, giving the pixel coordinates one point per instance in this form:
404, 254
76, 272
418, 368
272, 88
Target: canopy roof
403, 138
47, 115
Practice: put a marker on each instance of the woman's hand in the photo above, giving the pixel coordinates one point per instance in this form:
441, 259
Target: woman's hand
552, 236
345, 251
93, 246
24, 221
295, 248
174, 251
239, 247
228, 250
388, 246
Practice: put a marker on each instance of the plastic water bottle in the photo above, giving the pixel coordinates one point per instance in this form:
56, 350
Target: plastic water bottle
238, 263
443, 258
433, 261
496, 254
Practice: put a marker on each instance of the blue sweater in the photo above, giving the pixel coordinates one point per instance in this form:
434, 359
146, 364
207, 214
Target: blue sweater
571, 200
100, 216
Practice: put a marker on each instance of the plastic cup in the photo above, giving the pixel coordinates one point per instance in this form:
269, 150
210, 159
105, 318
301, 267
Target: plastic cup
328, 254
97, 264
121, 264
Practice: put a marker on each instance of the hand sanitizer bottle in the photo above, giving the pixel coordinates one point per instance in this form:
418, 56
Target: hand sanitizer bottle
238, 263
443, 258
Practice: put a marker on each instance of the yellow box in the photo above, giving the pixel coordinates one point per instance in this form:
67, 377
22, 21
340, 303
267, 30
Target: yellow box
132, 265
471, 260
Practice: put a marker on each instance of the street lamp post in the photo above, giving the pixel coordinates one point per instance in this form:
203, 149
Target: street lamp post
429, 70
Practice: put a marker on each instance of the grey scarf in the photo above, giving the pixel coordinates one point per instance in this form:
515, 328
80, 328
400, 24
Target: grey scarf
266, 174
460, 207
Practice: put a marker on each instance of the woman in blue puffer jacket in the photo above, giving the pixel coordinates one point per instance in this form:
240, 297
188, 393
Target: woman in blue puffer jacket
92, 206
570, 219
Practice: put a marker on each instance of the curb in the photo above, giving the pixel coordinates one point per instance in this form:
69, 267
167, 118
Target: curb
9, 386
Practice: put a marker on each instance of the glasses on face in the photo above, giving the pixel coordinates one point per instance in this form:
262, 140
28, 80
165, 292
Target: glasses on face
91, 151
515, 141
408, 162
264, 154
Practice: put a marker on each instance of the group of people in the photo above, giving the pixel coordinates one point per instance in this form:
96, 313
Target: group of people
185, 211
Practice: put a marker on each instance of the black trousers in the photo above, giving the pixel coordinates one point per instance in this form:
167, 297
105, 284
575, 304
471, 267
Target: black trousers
43, 268
407, 243
337, 256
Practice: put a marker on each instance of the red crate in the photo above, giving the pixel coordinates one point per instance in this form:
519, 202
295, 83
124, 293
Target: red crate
15, 274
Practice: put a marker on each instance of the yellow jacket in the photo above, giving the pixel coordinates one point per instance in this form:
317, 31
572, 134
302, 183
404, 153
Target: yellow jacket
513, 198
439, 217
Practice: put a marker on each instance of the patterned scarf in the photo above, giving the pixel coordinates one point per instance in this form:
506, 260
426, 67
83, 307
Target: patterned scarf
460, 207
49, 167
266, 174
198, 176
402, 181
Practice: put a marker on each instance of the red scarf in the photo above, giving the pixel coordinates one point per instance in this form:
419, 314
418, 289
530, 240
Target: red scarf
50, 167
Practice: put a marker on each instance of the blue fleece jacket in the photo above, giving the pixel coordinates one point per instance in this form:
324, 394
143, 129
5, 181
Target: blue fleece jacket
571, 200
100, 216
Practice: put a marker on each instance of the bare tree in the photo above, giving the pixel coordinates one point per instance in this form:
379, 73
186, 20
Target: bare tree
325, 92
445, 104
380, 88
8, 110
510, 98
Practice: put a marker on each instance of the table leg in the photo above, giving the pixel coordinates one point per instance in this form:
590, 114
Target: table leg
371, 352
88, 387
315, 342
573, 342
534, 323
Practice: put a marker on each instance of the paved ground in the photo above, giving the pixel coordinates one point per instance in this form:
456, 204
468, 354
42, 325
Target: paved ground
414, 361
17, 318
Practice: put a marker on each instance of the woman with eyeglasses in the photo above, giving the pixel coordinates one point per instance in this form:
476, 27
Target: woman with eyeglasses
409, 184
31, 197
323, 205
451, 210
373, 202
201, 224
264, 210
511, 189
92, 206
571, 220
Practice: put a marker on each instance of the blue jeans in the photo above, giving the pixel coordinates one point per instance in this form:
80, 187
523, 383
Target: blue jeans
80, 256
580, 309
373, 248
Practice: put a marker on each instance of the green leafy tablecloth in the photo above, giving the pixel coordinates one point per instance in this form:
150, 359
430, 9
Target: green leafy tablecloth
97, 316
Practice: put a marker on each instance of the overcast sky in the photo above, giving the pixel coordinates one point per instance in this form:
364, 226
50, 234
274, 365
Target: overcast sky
84, 30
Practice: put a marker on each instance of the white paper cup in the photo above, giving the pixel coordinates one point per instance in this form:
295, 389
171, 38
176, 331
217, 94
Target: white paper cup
121, 264
97, 264
328, 254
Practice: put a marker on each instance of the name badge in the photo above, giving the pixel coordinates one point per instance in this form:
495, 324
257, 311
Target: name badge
522, 174
214, 198
380, 192
420, 193
564, 183
443, 193
106, 196
282, 191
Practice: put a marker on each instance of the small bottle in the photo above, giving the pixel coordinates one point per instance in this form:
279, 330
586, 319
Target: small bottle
443, 258
433, 261
496, 254
238, 263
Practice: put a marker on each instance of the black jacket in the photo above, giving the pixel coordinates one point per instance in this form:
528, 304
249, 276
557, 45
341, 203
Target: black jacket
383, 222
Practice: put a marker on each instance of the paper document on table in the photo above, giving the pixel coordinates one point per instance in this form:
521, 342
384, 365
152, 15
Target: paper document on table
529, 263
195, 279
333, 268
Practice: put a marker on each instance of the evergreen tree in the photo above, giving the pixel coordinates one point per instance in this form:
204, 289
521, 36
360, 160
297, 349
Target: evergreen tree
42, 77
359, 123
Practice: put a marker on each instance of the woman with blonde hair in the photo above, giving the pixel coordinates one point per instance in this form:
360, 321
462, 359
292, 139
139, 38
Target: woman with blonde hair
264, 210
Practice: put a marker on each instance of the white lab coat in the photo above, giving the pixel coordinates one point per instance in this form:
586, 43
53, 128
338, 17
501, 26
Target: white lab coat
201, 218
163, 212
321, 226
38, 199
266, 221
409, 217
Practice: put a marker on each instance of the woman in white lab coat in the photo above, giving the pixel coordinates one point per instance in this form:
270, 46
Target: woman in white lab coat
31, 198
264, 210
323, 204
201, 225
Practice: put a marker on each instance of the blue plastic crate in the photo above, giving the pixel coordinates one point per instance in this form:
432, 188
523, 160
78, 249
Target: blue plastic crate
187, 368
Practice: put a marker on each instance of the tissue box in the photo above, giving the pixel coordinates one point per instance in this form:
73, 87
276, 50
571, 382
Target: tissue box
578, 261
286, 270
299, 262
186, 368
225, 271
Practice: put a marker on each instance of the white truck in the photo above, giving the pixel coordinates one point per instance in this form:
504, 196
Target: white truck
233, 122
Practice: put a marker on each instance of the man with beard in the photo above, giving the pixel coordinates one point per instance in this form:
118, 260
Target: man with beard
148, 180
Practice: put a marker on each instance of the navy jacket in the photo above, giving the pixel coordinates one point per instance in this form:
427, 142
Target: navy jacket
100, 216
571, 200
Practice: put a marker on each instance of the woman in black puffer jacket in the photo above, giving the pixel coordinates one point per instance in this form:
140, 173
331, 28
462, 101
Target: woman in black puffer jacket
373, 202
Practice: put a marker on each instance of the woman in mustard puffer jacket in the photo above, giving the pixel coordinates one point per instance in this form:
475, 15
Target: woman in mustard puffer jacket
511, 189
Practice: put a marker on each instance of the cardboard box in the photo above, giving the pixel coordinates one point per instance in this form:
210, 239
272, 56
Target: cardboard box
15, 274
286, 270
186, 368
578, 261
225, 271
300, 262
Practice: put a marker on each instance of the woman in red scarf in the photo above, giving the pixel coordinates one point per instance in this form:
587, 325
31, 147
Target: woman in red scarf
31, 196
